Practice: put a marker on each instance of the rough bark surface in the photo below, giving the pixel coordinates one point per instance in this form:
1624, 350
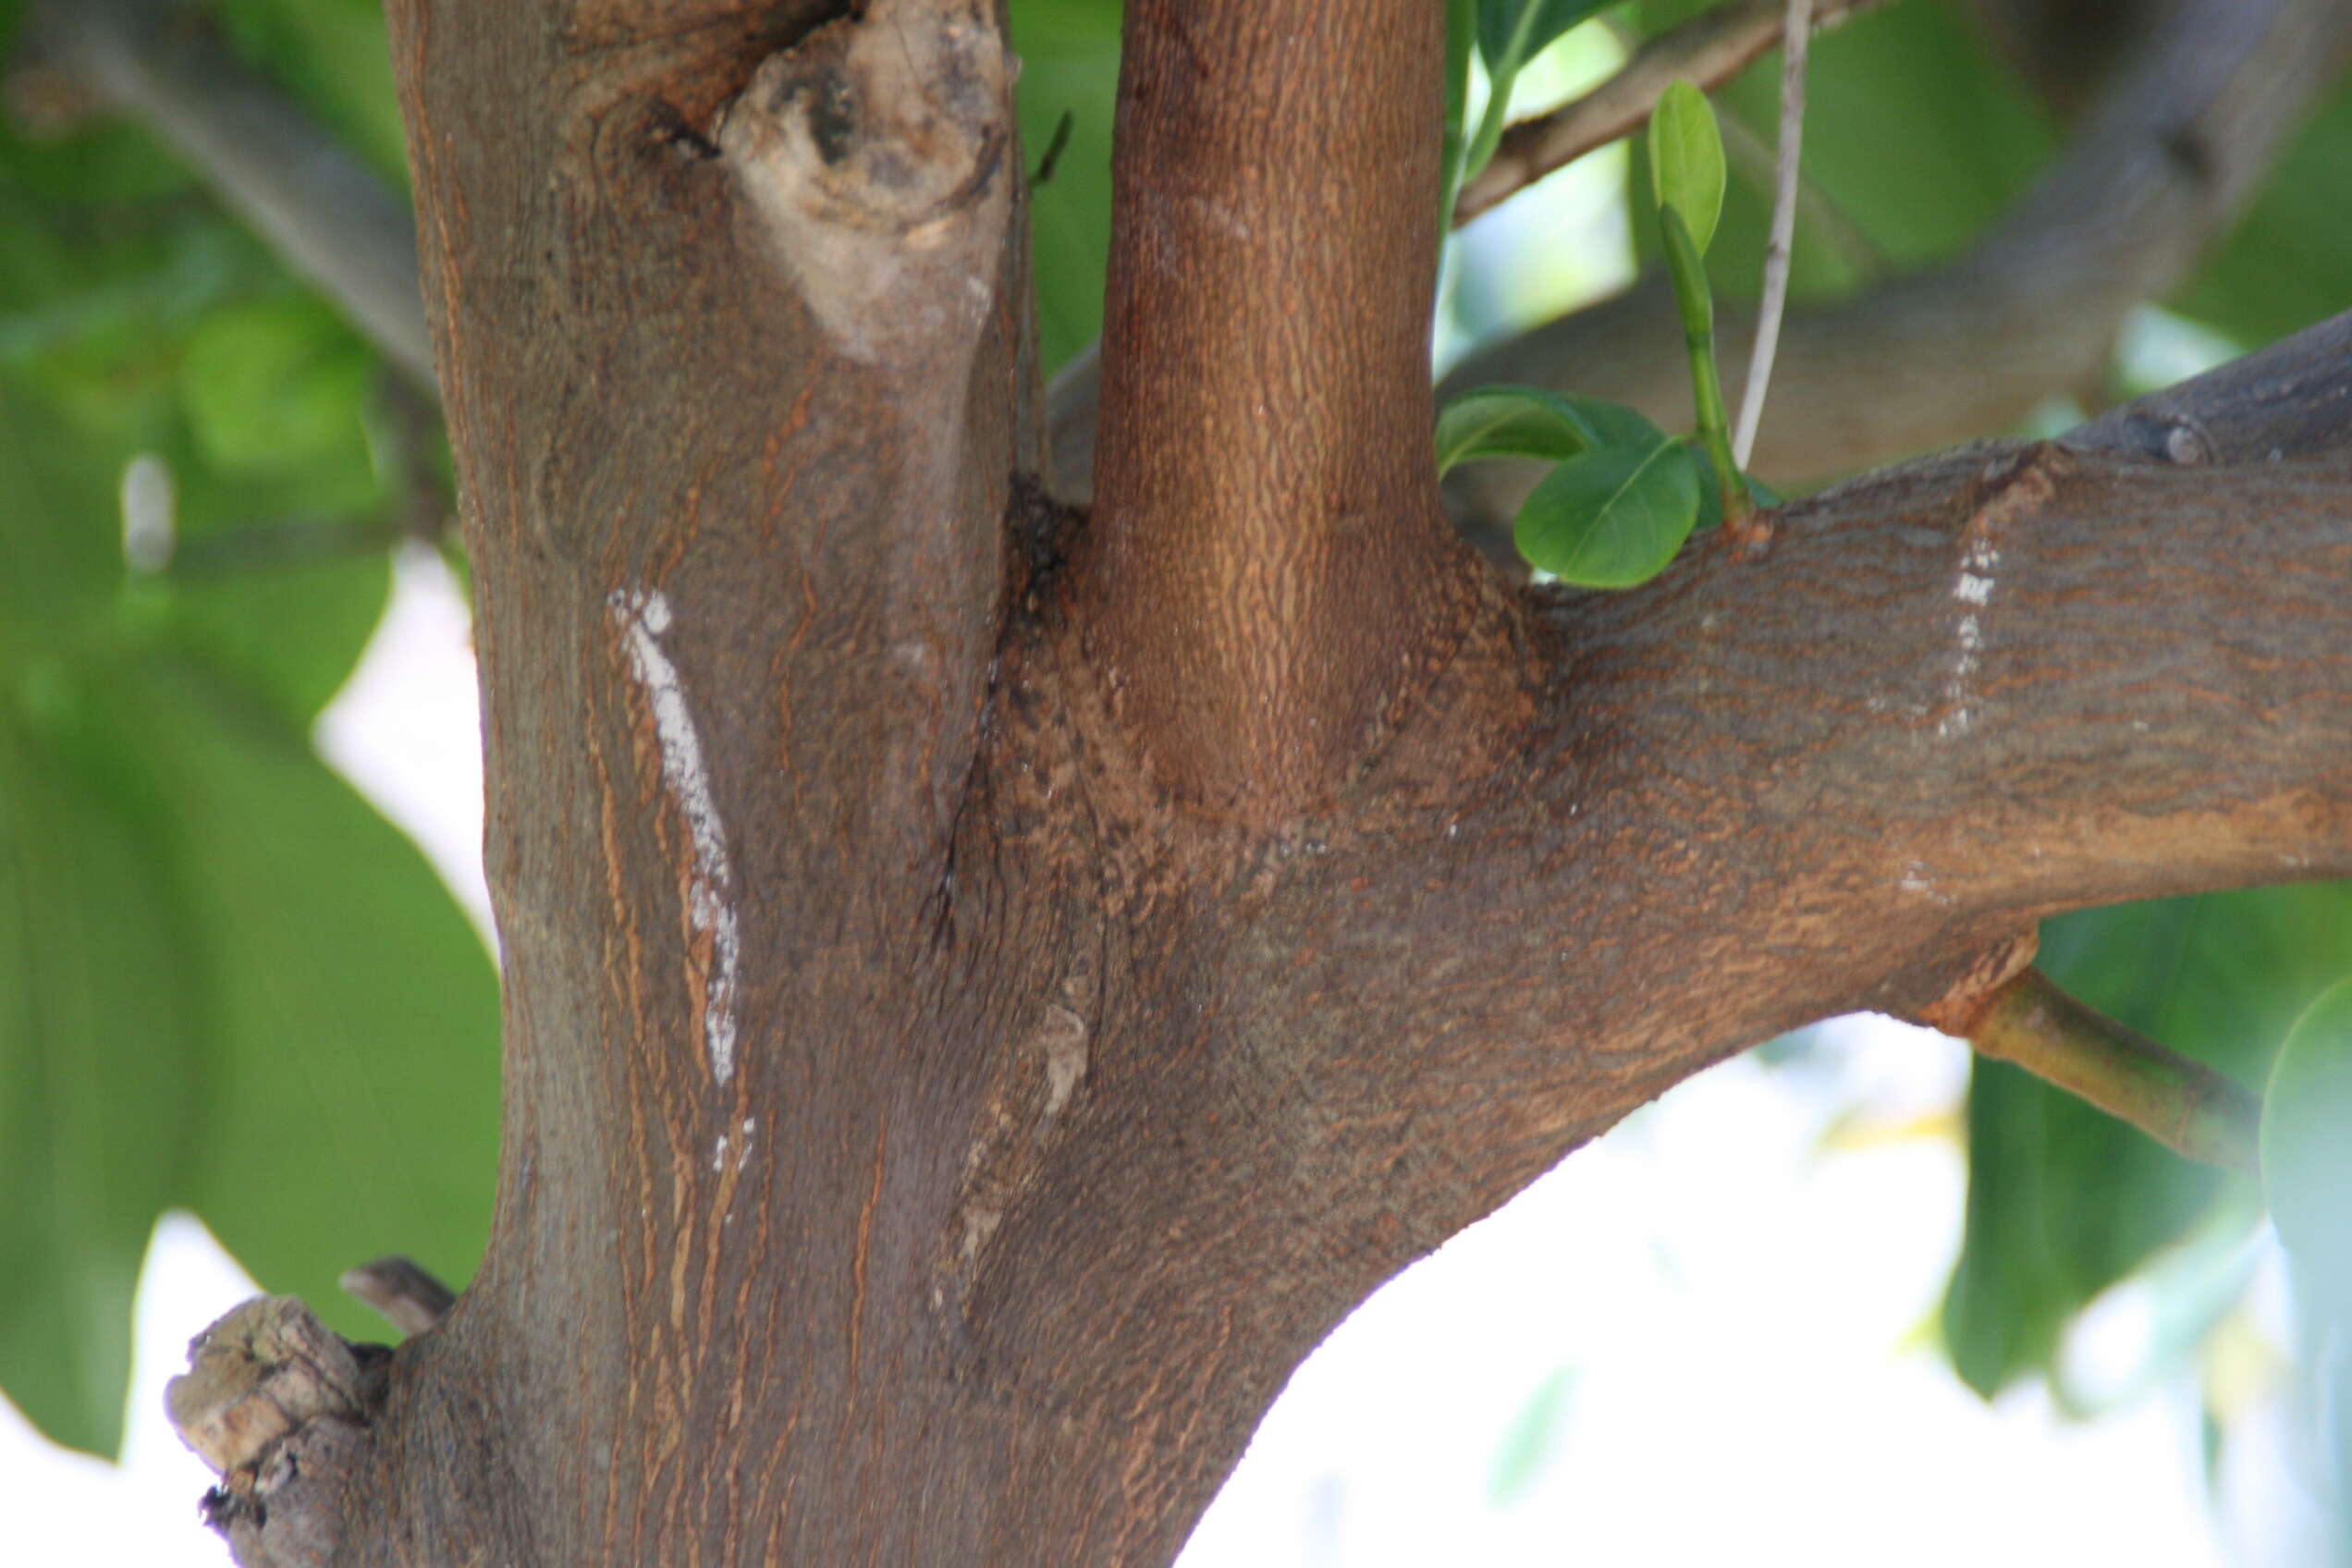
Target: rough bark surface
987, 988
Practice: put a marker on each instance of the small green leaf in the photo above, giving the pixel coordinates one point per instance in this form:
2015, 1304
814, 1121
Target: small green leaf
1611, 518
1686, 159
2307, 1157
1510, 421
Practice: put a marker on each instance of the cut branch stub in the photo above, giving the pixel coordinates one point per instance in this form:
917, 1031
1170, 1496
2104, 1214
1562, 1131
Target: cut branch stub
874, 152
278, 1405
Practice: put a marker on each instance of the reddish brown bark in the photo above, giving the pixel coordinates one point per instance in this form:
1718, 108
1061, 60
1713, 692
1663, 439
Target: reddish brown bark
986, 989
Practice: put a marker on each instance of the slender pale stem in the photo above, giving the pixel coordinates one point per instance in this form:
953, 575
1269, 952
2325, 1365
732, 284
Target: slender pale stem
1797, 34
2182, 1104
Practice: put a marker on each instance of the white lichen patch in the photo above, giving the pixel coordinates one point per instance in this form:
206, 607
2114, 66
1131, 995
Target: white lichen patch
644, 616
877, 156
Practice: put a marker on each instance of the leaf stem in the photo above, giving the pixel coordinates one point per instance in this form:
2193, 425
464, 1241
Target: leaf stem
1698, 305
2183, 1105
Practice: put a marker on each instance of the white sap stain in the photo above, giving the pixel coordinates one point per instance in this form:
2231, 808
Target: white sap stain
1063, 1037
740, 1139
1974, 588
643, 615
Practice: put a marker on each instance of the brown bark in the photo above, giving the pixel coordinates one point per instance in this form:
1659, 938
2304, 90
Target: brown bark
987, 990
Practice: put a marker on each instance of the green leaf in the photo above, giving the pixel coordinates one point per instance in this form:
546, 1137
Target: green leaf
1687, 160
275, 386
1462, 31
2064, 1201
2307, 1146
1529, 422
1511, 422
1533, 1441
1611, 518
354, 1093
2282, 267
101, 1056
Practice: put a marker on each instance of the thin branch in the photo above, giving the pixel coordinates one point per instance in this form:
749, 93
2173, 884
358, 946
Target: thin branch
1798, 34
327, 215
1709, 49
402, 1291
2181, 1103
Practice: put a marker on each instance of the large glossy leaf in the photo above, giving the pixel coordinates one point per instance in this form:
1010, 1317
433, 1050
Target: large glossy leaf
103, 1022
354, 1098
2063, 1201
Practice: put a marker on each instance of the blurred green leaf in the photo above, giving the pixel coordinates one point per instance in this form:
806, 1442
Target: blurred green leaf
2283, 267
2306, 1147
1687, 160
1611, 518
355, 1073
102, 1053
1915, 132
1069, 65
1533, 1439
276, 384
1461, 35
2064, 1201
1512, 32
333, 56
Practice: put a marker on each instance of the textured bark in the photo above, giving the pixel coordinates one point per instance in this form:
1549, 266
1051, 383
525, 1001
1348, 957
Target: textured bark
985, 989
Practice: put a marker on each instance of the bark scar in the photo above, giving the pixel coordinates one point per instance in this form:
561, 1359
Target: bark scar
874, 153
2026, 485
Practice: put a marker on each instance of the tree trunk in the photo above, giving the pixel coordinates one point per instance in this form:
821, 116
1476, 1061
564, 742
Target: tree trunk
989, 986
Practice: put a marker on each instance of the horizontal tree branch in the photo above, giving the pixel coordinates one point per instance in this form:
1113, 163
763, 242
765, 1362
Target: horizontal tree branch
1709, 49
329, 216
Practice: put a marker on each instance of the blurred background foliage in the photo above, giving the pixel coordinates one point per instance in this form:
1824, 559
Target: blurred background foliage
226, 984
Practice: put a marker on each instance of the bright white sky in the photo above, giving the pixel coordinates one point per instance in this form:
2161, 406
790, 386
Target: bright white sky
1728, 1296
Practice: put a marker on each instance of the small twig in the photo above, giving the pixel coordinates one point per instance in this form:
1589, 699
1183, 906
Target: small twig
1797, 33
1055, 145
2182, 1104
1708, 49
401, 1292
